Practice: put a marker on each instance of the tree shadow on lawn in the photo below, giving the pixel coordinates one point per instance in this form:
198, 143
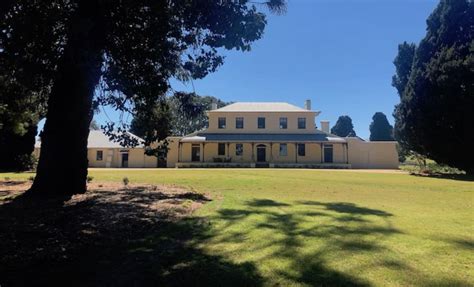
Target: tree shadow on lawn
307, 237
142, 237
346, 227
464, 243
454, 176
129, 237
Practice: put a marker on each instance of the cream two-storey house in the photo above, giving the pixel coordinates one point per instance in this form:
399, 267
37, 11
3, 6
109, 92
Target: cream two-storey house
274, 135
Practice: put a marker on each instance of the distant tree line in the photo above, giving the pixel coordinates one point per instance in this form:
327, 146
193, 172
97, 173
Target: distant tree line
380, 128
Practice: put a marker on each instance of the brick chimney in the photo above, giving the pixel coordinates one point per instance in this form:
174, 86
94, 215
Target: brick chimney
325, 126
307, 105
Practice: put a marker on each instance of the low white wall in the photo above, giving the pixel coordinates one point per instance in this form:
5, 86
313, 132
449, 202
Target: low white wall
382, 155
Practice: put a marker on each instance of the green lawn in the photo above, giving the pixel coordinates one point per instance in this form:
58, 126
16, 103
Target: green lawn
313, 227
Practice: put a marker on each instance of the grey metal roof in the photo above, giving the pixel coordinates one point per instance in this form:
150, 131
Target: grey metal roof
260, 107
251, 137
97, 139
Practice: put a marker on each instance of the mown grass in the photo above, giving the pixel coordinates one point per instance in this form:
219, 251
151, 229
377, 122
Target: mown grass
311, 227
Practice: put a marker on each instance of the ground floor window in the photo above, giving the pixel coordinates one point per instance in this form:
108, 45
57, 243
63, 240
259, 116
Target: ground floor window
328, 153
301, 149
125, 159
221, 149
195, 152
239, 149
99, 155
283, 149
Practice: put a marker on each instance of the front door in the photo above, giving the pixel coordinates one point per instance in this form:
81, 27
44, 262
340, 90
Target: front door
261, 153
195, 153
125, 160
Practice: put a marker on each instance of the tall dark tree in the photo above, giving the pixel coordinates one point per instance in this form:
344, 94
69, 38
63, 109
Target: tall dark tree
344, 127
178, 115
403, 63
18, 126
25, 80
380, 128
188, 112
434, 117
131, 48
154, 124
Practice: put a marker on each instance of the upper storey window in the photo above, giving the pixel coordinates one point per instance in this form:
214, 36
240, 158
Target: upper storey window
283, 123
239, 123
261, 123
301, 123
221, 123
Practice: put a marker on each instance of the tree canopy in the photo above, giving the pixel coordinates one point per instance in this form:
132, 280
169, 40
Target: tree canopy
179, 115
403, 63
25, 82
380, 128
344, 127
188, 112
435, 81
127, 50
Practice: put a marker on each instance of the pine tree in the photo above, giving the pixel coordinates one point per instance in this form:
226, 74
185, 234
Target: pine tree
380, 128
344, 127
434, 117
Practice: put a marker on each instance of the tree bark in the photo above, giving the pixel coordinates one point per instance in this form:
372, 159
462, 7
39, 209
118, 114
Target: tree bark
62, 167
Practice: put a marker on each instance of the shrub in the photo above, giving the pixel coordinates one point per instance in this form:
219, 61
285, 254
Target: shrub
31, 178
89, 179
125, 181
26, 162
7, 178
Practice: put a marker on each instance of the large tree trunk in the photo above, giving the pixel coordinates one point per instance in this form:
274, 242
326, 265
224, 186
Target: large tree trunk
62, 167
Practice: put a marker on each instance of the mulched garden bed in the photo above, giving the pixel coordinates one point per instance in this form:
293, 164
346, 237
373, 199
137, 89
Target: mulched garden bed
112, 235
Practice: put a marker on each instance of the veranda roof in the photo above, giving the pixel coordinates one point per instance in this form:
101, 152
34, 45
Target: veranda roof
193, 139
252, 137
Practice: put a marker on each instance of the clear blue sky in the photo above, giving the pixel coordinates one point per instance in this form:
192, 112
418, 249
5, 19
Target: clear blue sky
337, 53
